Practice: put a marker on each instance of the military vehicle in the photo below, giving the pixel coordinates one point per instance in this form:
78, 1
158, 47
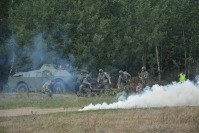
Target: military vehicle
32, 81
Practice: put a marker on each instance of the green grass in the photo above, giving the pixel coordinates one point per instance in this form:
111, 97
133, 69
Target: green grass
14, 100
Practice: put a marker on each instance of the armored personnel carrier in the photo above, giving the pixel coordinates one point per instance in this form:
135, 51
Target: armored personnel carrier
32, 81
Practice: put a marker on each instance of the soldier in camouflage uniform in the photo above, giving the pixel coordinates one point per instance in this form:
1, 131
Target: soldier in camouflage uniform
48, 87
103, 80
144, 76
124, 79
85, 86
79, 79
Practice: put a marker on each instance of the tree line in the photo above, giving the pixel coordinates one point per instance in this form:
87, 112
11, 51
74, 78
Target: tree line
109, 34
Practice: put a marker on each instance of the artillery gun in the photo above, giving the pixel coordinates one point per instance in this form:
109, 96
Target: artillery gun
32, 81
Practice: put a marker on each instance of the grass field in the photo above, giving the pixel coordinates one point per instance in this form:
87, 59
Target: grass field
149, 120
13, 100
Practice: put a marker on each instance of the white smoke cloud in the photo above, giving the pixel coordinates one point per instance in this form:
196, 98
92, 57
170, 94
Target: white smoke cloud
197, 80
175, 94
39, 51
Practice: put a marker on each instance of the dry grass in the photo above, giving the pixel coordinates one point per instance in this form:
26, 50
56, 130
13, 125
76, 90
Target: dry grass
152, 120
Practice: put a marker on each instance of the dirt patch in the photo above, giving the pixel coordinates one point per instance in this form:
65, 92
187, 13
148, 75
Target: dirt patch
32, 111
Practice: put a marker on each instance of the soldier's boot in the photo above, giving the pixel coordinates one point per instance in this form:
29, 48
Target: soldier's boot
78, 94
49, 93
88, 93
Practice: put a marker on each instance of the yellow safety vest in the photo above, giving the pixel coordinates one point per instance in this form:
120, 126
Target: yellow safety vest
182, 77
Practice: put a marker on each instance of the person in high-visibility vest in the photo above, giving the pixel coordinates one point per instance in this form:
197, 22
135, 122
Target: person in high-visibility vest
182, 77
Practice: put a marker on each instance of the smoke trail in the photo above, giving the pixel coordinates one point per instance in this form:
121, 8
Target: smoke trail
42, 50
39, 51
175, 94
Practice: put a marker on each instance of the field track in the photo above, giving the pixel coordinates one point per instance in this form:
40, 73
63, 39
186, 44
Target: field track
31, 111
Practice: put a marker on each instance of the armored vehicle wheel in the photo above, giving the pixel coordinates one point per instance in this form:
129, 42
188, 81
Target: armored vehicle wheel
22, 87
59, 87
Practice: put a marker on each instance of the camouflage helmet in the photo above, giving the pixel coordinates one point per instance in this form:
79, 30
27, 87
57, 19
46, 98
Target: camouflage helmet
143, 68
120, 72
88, 75
100, 71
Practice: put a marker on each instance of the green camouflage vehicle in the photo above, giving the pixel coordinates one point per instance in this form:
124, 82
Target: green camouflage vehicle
33, 81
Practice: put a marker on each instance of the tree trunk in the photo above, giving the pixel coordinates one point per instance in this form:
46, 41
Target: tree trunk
185, 54
144, 57
13, 56
158, 62
185, 60
188, 70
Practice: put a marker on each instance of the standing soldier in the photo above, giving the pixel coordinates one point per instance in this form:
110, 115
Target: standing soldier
103, 80
144, 76
124, 79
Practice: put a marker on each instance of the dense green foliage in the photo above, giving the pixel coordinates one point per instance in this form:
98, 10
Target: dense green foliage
110, 34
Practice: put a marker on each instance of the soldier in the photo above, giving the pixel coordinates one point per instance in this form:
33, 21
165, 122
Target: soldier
103, 79
79, 79
85, 87
144, 76
124, 79
48, 87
